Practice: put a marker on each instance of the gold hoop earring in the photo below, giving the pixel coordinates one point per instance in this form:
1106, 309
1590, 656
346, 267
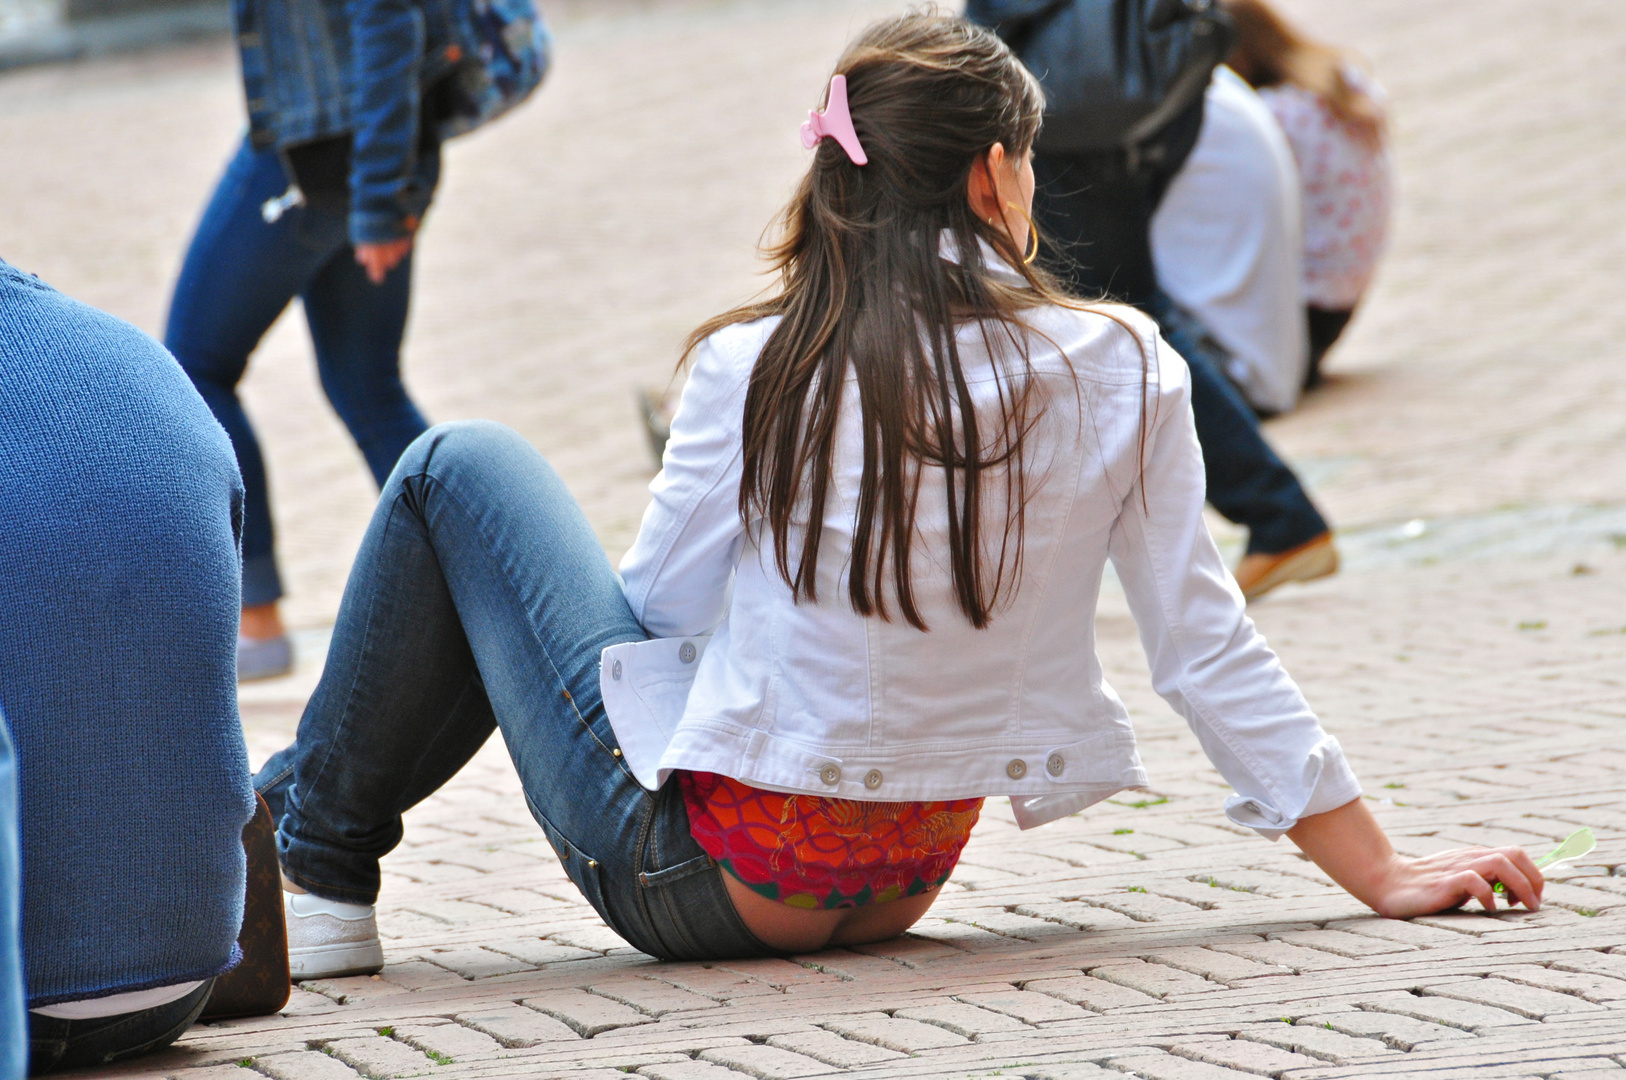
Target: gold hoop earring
1033, 234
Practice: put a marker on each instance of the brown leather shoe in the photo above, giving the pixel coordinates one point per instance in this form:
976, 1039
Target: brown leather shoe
1259, 573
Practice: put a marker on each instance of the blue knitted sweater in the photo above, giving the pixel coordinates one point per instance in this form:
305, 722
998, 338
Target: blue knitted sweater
120, 506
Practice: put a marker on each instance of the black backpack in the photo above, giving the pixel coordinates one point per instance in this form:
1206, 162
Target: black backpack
1114, 72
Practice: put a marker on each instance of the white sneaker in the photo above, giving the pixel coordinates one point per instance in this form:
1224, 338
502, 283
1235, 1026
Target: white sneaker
327, 939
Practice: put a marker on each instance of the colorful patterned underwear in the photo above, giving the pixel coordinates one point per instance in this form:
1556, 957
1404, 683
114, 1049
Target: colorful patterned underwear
812, 852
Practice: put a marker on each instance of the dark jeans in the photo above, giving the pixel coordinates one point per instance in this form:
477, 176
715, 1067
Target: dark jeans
13, 1016
239, 275
56, 1045
481, 599
1096, 219
1326, 327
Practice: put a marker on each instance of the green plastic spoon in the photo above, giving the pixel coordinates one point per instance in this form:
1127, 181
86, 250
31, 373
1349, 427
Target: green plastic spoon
1578, 843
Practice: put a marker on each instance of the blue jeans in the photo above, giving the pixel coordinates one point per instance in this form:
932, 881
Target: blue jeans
13, 1021
57, 1045
481, 599
239, 275
1096, 219
1247, 482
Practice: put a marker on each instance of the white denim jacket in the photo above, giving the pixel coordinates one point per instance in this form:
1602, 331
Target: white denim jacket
814, 698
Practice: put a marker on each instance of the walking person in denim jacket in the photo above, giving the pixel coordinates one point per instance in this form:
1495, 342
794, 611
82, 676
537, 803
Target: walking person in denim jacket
348, 104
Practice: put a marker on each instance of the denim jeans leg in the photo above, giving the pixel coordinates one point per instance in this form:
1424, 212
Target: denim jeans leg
400, 708
1247, 482
13, 1021
459, 739
478, 576
239, 274
478, 559
357, 328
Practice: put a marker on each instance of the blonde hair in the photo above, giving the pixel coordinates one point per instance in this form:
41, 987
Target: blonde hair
1271, 51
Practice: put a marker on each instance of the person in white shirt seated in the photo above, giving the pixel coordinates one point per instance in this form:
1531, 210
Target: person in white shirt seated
1228, 244
862, 598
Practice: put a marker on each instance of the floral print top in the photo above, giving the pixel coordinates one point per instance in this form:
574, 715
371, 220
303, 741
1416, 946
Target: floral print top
1347, 192
814, 852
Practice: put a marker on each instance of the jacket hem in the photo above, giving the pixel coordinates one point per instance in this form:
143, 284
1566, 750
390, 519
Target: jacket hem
1100, 764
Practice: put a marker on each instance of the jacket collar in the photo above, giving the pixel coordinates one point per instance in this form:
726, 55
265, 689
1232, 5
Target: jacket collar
949, 248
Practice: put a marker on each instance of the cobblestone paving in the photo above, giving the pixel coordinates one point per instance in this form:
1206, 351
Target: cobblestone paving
1471, 659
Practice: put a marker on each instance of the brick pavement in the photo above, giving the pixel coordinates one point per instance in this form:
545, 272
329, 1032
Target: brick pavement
1471, 659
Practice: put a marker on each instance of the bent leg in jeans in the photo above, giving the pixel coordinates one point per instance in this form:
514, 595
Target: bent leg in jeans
481, 598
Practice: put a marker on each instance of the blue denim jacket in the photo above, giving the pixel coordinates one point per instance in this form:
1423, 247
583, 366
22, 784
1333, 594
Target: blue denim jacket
319, 68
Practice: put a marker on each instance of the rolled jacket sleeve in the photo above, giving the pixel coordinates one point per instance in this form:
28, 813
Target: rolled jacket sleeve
678, 572
1207, 659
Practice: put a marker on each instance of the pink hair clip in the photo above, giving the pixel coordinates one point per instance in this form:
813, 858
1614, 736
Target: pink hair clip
835, 122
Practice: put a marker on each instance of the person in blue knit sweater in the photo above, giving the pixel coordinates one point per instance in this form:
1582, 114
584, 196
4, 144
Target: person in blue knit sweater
120, 512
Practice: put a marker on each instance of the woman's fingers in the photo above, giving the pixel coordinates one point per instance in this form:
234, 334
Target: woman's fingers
1511, 867
1503, 866
1453, 878
1527, 866
1467, 884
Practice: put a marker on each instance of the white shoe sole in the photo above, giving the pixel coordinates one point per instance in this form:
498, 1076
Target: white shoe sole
336, 960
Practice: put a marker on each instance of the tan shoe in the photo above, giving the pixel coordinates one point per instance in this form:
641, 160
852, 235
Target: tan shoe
1259, 573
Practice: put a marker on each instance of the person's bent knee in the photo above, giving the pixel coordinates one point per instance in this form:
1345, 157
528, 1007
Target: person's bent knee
456, 441
458, 451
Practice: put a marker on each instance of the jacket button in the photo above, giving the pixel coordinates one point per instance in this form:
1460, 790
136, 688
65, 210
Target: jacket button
1054, 764
686, 652
872, 779
830, 774
615, 671
1016, 769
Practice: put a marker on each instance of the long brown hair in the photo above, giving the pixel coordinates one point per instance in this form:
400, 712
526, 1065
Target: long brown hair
866, 292
1270, 51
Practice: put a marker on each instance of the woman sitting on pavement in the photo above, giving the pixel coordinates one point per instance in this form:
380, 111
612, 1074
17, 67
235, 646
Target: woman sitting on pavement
1332, 114
120, 508
860, 602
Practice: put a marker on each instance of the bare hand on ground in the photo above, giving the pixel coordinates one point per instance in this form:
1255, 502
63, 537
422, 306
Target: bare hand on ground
379, 259
1450, 879
1349, 844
